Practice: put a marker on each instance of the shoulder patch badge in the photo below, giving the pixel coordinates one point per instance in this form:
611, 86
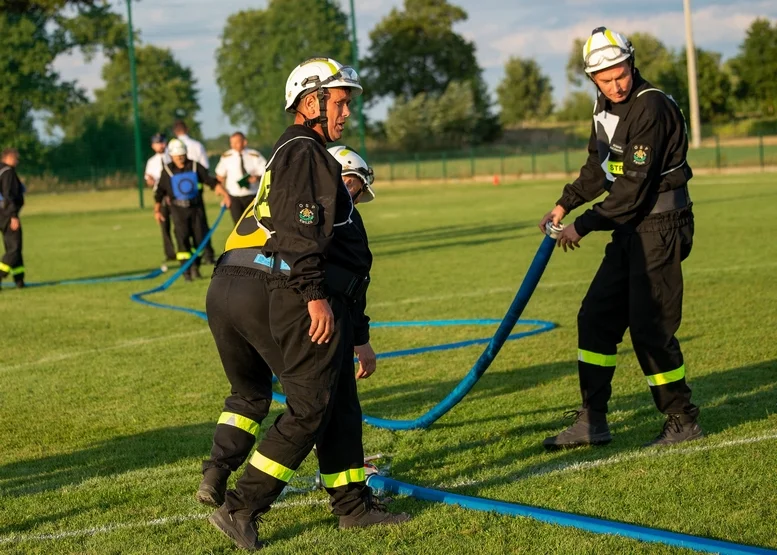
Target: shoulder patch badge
641, 154
307, 213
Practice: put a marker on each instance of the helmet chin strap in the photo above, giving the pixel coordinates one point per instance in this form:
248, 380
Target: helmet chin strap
322, 95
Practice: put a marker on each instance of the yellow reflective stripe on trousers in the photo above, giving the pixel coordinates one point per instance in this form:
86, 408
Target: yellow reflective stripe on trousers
5, 268
269, 466
183, 255
18, 270
343, 478
596, 359
666, 377
239, 421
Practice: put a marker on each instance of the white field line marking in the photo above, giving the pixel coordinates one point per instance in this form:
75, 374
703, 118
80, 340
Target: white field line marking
123, 345
18, 538
498, 290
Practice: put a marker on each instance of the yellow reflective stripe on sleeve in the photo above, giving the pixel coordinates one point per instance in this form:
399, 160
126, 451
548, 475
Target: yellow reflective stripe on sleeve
5, 268
18, 270
615, 168
610, 38
239, 421
269, 466
343, 478
183, 255
666, 377
596, 359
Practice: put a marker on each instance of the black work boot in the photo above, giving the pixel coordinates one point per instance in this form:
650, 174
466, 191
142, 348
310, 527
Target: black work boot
213, 486
371, 512
20, 283
187, 275
194, 271
588, 428
239, 526
677, 428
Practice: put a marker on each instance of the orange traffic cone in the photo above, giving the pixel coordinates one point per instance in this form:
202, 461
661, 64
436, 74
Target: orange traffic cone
496, 180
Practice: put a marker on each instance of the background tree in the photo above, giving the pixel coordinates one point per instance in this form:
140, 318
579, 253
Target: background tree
525, 94
714, 86
756, 66
577, 106
100, 134
430, 122
259, 48
416, 50
33, 35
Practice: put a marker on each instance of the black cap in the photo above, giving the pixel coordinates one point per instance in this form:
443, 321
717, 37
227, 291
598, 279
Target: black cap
158, 138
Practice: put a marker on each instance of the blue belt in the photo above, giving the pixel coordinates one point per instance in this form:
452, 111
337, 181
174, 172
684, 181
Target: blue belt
253, 258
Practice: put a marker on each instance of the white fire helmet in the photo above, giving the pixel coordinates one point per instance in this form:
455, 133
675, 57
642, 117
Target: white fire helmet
176, 147
604, 49
353, 164
319, 73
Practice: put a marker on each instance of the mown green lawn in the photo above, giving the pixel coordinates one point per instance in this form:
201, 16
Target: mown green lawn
107, 407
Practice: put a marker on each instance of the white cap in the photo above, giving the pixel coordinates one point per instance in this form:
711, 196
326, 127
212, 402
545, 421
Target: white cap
353, 164
604, 49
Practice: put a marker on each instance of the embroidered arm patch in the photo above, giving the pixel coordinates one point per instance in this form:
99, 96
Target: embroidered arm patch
307, 213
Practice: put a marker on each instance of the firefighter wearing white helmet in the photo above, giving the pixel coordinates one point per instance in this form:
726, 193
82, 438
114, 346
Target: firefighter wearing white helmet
179, 188
281, 301
357, 175
637, 157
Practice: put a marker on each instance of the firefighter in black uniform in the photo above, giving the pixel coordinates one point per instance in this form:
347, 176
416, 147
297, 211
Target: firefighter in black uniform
637, 154
243, 412
281, 298
11, 202
179, 185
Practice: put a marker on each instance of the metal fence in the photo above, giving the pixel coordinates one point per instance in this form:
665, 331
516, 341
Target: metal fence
503, 161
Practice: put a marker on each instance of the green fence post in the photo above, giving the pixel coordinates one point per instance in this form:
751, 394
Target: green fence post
444, 166
717, 151
472, 161
502, 161
761, 150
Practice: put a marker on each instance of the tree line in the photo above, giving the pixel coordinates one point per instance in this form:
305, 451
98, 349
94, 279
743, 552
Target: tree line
416, 61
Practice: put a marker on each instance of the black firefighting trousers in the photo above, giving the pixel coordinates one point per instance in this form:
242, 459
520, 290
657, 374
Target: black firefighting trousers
190, 229
639, 286
239, 205
12, 262
166, 226
259, 326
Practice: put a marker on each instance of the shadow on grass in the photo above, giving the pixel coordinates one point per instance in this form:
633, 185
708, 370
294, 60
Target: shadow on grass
727, 399
111, 457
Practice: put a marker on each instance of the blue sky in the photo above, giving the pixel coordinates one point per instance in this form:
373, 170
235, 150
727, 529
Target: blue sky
499, 29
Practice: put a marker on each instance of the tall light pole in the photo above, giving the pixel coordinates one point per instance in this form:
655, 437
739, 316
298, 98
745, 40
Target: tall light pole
134, 81
359, 99
693, 90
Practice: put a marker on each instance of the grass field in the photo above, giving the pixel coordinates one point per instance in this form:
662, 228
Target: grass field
108, 407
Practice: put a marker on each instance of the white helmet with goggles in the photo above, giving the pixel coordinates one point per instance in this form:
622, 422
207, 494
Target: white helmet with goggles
315, 76
605, 49
353, 164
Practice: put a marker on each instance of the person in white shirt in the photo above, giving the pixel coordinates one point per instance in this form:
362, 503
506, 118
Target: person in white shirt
239, 170
195, 151
154, 167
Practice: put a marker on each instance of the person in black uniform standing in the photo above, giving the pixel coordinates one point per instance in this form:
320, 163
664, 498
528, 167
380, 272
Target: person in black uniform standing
179, 185
281, 299
11, 202
637, 154
243, 412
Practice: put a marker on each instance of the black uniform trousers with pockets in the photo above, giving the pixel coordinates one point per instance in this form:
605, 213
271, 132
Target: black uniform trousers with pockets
639, 286
260, 325
12, 262
190, 229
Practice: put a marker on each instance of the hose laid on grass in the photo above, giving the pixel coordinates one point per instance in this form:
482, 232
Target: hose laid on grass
587, 523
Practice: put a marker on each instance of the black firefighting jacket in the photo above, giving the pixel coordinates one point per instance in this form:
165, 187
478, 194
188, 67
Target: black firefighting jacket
165, 186
637, 150
11, 193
